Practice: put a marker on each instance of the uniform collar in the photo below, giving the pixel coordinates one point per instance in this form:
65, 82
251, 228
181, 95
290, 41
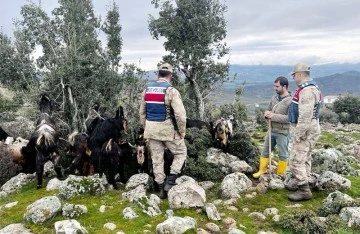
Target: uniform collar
162, 80
304, 83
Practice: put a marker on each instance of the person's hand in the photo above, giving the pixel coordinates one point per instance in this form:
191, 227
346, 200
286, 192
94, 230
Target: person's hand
182, 135
268, 114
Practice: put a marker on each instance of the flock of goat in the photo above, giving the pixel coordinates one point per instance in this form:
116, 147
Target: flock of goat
101, 149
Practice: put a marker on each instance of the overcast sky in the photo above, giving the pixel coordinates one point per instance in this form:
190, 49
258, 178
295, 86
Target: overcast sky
264, 32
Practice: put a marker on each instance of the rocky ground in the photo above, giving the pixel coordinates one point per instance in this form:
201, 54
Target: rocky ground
234, 204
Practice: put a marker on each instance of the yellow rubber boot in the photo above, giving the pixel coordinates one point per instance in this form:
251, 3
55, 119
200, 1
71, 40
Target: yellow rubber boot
262, 168
281, 167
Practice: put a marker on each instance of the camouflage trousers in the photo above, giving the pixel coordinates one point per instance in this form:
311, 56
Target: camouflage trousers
177, 147
300, 155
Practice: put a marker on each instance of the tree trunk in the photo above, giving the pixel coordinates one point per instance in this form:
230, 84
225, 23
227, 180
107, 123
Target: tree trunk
199, 102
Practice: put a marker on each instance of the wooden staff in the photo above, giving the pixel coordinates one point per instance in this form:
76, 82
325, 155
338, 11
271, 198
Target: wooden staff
269, 123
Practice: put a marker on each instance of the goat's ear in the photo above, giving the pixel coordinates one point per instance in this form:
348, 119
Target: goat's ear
119, 113
211, 124
52, 105
122, 116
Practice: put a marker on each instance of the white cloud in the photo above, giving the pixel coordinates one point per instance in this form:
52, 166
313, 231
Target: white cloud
259, 32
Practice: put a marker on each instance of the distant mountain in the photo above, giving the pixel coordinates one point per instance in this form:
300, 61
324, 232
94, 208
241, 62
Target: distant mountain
347, 82
255, 74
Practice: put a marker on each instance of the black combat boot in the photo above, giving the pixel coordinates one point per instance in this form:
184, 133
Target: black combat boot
163, 193
302, 194
170, 181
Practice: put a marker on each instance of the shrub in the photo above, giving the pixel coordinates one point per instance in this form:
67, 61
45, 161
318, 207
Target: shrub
201, 170
308, 222
336, 206
242, 147
260, 119
197, 143
329, 116
348, 108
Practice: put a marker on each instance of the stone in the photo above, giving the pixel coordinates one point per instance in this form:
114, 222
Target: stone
201, 231
233, 184
10, 205
245, 209
103, 208
330, 182
186, 195
232, 208
206, 185
294, 206
276, 218
81, 185
257, 215
271, 211
72, 211
53, 184
229, 202
241, 166
212, 212
43, 209
212, 227
49, 169
139, 179
110, 226
276, 183
16, 228
69, 226
221, 159
235, 231
249, 196
183, 179
152, 212
136, 194
351, 215
169, 213
176, 225
17, 182
335, 201
229, 222
128, 213
217, 202
330, 160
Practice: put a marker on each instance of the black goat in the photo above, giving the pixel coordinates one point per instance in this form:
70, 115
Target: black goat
194, 123
113, 157
42, 145
90, 147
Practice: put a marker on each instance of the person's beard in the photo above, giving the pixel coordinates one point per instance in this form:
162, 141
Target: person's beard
280, 92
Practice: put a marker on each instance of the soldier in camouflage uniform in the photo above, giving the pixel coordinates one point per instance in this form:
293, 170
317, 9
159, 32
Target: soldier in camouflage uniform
163, 116
304, 113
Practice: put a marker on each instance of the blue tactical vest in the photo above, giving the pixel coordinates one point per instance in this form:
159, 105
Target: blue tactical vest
294, 106
155, 101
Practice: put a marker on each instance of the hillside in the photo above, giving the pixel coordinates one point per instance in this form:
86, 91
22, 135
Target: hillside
248, 214
347, 82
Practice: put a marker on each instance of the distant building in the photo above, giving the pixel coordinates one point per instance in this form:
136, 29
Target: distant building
328, 100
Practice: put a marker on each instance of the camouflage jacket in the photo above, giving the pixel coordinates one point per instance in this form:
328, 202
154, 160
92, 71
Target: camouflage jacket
165, 131
309, 96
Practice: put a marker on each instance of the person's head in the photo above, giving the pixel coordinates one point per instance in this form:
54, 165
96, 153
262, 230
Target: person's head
281, 85
165, 71
301, 73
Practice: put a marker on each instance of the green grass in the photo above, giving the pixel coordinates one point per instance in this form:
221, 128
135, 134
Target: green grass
328, 138
93, 221
355, 135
